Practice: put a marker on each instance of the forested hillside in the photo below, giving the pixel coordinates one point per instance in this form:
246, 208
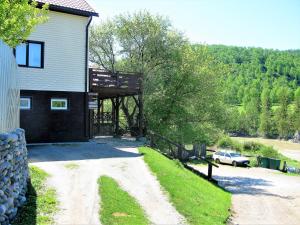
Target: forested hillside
262, 88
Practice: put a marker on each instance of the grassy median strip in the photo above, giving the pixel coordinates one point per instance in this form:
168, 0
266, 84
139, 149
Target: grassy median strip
195, 198
117, 206
41, 202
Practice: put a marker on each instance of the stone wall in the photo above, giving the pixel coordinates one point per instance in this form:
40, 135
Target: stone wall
14, 174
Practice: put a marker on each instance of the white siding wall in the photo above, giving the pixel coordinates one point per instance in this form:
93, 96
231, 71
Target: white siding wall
9, 90
64, 61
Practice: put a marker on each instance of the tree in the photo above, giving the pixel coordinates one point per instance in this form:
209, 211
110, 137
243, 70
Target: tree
297, 110
18, 19
252, 110
282, 116
181, 82
266, 114
103, 49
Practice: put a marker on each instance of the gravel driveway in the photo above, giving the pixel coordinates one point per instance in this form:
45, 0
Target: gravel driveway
260, 196
77, 187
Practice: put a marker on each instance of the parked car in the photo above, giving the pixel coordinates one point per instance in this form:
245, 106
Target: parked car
233, 158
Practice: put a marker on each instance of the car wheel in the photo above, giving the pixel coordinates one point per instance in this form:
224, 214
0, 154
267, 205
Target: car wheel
218, 161
234, 163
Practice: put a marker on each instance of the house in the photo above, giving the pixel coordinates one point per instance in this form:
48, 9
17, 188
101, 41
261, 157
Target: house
53, 70
61, 99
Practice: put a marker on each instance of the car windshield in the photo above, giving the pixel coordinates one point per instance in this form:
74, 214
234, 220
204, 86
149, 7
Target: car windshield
234, 154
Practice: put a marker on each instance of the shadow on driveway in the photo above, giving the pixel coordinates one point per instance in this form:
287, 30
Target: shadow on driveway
80, 151
247, 185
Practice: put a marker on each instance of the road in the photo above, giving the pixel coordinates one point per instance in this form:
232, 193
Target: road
260, 196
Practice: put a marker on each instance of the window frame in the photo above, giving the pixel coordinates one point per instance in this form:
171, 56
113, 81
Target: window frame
29, 100
59, 108
27, 54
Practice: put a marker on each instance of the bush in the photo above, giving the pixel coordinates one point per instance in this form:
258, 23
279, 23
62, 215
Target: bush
270, 152
227, 142
252, 146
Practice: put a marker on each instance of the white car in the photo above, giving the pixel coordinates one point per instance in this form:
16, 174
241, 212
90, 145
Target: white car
232, 158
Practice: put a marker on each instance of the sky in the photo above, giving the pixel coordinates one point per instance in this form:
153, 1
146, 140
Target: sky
252, 23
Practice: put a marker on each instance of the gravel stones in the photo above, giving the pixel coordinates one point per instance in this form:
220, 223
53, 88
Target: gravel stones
14, 174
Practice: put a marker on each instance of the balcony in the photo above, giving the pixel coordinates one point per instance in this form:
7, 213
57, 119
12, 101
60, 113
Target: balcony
109, 85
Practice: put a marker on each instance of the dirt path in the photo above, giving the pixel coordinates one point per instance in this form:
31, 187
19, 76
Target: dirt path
289, 149
77, 188
260, 196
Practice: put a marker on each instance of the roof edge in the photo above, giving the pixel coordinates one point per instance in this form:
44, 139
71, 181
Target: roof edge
68, 10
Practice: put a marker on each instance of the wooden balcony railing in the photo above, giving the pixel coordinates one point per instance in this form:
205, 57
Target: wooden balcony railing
112, 85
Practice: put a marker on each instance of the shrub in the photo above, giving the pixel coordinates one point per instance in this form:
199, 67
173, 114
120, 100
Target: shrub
227, 142
269, 152
252, 146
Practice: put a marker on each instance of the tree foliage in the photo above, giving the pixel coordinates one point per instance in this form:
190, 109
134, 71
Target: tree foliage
297, 110
181, 82
254, 84
265, 126
18, 19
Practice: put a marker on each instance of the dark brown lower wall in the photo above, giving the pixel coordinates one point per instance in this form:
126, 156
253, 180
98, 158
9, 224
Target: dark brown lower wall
45, 125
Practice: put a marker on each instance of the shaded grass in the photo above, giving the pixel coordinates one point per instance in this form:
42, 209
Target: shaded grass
117, 206
41, 202
198, 200
71, 166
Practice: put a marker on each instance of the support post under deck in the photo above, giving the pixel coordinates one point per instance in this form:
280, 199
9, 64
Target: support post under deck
117, 114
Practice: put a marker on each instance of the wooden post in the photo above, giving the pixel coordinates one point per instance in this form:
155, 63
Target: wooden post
141, 107
179, 152
203, 151
113, 114
98, 113
151, 140
141, 117
102, 111
209, 174
117, 110
196, 149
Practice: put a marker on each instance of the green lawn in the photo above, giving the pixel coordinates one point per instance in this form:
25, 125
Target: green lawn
117, 206
195, 198
41, 202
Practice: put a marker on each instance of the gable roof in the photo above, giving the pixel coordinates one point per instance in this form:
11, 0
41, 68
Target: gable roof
77, 7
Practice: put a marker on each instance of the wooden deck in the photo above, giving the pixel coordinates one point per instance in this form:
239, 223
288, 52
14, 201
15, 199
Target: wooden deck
109, 85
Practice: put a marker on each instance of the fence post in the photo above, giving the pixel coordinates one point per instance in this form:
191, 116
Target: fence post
196, 149
151, 140
203, 151
209, 174
179, 151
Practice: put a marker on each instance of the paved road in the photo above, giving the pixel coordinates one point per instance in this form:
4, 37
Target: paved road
77, 188
260, 196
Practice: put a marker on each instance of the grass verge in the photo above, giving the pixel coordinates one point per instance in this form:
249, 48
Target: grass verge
195, 198
41, 202
117, 206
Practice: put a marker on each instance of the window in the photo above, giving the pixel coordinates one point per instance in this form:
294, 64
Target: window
25, 103
59, 104
30, 54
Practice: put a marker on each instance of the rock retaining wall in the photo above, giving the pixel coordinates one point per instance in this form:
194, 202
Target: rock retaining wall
14, 174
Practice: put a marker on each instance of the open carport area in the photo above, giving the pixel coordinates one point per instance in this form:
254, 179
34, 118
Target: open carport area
260, 196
